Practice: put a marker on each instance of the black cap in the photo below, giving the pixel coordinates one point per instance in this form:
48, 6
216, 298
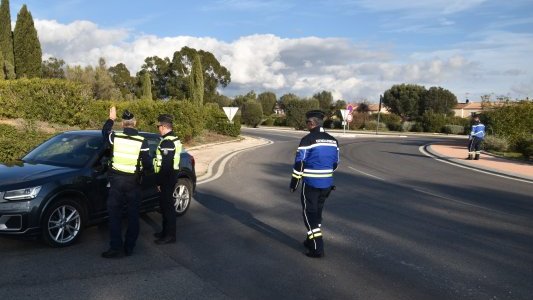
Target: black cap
165, 118
315, 114
126, 115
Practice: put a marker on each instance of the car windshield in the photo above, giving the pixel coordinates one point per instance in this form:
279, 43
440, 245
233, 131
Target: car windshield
67, 150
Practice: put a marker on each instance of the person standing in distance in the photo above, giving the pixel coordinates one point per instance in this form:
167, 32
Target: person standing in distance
129, 158
167, 162
475, 138
316, 159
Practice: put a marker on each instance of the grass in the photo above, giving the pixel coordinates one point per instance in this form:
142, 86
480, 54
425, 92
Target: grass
510, 155
208, 137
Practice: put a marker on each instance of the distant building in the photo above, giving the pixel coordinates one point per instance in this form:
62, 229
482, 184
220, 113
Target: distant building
465, 110
278, 110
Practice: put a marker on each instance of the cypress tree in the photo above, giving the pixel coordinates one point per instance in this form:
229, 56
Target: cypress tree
28, 54
146, 87
196, 84
6, 40
2, 73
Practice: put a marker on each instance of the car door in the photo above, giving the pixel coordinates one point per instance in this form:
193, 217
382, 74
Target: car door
149, 185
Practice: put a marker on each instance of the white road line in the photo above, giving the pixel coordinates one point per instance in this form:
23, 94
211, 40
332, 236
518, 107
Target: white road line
225, 161
370, 175
423, 151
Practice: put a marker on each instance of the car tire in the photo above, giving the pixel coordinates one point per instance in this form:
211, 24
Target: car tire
62, 223
182, 196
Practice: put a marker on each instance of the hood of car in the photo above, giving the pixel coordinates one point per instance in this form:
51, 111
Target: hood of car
19, 172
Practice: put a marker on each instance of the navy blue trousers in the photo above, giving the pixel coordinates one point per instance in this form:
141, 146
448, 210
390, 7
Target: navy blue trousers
313, 200
166, 203
124, 192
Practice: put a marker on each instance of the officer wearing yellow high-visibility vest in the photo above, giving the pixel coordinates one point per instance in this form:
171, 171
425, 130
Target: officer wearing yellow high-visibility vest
166, 166
130, 158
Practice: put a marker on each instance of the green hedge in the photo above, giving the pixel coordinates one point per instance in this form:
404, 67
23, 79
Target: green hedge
14, 144
51, 100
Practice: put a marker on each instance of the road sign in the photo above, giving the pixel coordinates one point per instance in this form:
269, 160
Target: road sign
349, 118
230, 112
344, 113
349, 107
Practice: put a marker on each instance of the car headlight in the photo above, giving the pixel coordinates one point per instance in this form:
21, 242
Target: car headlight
22, 194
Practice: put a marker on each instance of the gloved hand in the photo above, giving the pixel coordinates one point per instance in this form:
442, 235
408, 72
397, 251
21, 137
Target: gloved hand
293, 185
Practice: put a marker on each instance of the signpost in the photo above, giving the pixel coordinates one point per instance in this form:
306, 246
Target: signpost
344, 114
230, 112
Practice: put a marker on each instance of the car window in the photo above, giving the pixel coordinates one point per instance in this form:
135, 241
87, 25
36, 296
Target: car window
68, 150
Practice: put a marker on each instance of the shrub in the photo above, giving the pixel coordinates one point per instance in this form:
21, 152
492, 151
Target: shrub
514, 120
417, 127
372, 125
13, 147
453, 129
407, 126
525, 146
280, 121
217, 121
432, 122
296, 110
392, 121
495, 143
252, 113
268, 121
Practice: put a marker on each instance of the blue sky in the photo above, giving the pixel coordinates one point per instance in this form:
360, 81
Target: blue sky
355, 48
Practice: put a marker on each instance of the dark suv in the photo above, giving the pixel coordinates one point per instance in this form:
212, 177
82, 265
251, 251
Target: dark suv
61, 187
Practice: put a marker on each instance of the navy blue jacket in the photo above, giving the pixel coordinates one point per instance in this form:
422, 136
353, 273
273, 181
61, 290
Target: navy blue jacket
316, 159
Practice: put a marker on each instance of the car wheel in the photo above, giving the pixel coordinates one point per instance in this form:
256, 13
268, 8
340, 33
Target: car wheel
182, 196
62, 223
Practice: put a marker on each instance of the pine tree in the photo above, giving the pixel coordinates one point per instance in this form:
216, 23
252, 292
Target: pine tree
196, 84
27, 48
6, 38
146, 87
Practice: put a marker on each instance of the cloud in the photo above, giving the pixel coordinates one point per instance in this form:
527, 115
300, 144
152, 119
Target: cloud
489, 62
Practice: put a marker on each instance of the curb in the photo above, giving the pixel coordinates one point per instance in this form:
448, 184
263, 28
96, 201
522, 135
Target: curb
460, 162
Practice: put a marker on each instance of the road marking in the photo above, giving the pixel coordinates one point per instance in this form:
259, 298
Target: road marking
370, 175
423, 151
225, 161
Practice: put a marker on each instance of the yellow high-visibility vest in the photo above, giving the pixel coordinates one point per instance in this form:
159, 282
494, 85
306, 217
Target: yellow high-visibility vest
159, 158
126, 151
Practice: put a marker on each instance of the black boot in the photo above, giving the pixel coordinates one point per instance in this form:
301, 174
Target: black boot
469, 157
477, 157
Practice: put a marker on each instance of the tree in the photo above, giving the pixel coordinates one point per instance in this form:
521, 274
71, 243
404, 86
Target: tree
252, 113
53, 68
404, 100
123, 80
159, 69
325, 100
26, 45
196, 85
240, 100
104, 87
146, 86
214, 73
2, 63
437, 100
222, 100
6, 41
268, 101
296, 110
286, 99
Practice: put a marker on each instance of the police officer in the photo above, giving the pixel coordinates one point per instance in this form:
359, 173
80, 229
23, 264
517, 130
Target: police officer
316, 159
166, 165
130, 151
475, 138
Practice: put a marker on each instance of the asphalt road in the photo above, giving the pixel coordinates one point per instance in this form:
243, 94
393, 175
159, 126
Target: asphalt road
400, 225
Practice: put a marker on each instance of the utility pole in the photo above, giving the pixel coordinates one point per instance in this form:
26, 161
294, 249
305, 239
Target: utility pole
379, 112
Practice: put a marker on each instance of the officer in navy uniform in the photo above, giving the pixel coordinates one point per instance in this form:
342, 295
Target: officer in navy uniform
476, 138
130, 157
316, 159
166, 166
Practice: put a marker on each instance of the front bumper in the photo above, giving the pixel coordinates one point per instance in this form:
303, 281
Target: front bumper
15, 218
